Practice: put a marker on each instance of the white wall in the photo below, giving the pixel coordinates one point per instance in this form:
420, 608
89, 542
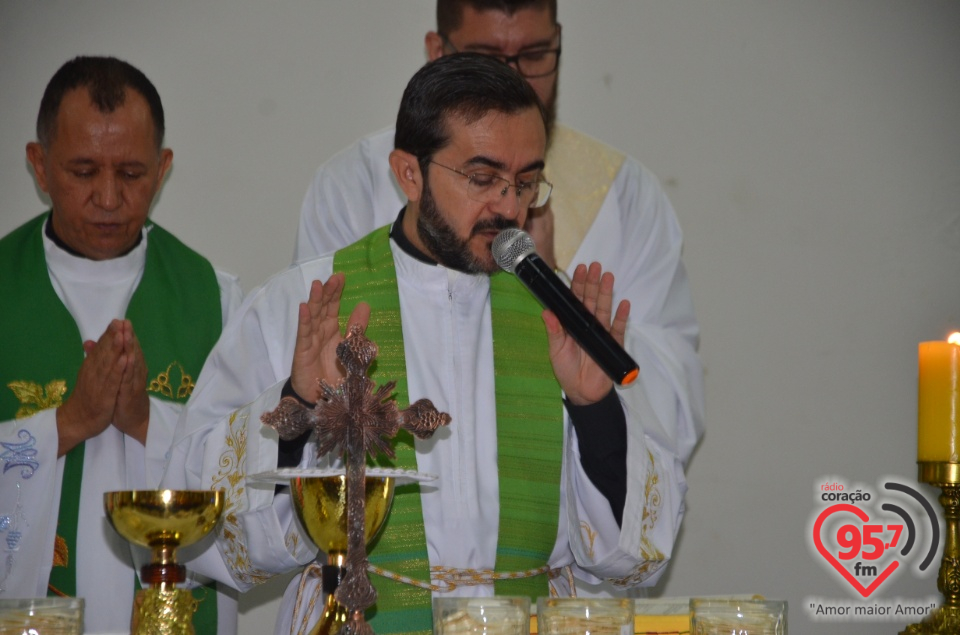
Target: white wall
810, 149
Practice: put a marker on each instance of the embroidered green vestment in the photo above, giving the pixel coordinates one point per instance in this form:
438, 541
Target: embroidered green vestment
176, 314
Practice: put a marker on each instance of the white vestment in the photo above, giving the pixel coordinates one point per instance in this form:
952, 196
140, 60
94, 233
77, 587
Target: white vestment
94, 292
449, 360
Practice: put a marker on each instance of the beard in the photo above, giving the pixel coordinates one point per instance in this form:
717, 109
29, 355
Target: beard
449, 249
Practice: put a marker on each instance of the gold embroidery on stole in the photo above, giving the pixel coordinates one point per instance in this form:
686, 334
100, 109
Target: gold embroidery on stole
161, 383
61, 553
33, 397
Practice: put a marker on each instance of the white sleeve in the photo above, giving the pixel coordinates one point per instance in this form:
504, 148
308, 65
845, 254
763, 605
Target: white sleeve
220, 440
636, 552
29, 502
351, 195
664, 407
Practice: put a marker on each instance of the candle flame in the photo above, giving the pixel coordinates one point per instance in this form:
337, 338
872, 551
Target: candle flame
954, 338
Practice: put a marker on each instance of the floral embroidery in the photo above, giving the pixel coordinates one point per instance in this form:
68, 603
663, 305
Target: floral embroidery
22, 455
11, 524
161, 383
292, 541
654, 559
589, 537
33, 397
230, 478
61, 552
13, 540
651, 512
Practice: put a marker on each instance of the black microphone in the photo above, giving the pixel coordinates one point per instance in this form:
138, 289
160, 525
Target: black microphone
513, 250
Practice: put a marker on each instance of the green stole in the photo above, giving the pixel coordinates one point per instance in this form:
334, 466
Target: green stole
176, 315
529, 436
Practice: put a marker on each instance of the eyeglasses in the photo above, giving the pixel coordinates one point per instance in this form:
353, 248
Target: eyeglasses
485, 187
530, 64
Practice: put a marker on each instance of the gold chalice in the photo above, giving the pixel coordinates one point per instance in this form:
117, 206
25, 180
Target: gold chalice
163, 521
321, 504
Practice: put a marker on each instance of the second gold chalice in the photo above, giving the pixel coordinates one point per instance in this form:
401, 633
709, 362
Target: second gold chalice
321, 500
321, 504
163, 521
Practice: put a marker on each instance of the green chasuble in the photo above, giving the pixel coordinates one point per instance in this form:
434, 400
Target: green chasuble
529, 415
176, 314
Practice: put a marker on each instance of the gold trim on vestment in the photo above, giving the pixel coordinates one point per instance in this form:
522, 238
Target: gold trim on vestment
33, 397
654, 559
589, 537
231, 479
582, 169
161, 383
61, 553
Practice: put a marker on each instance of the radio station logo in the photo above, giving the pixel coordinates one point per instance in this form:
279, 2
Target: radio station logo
865, 536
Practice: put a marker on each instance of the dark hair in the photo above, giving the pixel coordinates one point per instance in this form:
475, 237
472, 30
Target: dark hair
466, 85
107, 80
450, 12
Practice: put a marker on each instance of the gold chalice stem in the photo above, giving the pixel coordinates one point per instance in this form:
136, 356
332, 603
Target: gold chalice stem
335, 615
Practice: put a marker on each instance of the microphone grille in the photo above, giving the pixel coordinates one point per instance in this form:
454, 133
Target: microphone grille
510, 247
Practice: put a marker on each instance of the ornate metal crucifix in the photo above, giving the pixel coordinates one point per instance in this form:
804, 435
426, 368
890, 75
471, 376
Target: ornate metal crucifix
354, 419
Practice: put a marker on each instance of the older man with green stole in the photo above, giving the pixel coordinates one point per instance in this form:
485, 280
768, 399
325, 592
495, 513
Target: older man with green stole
109, 320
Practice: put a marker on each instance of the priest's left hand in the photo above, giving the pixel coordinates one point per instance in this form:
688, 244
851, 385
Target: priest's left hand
583, 381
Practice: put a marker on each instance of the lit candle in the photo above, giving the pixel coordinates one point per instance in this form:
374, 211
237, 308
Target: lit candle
938, 418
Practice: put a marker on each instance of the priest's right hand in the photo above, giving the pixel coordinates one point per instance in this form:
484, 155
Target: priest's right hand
89, 409
318, 334
581, 378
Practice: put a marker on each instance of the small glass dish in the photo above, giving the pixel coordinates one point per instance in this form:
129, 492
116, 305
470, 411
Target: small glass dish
501, 615
714, 616
41, 616
585, 616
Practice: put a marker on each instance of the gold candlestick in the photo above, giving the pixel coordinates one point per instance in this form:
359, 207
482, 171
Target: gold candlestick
946, 619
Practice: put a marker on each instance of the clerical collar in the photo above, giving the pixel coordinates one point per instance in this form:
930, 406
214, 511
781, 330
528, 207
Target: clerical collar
404, 243
52, 235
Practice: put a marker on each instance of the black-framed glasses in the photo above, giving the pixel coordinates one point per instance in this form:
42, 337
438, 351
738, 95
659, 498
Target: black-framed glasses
531, 64
486, 187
